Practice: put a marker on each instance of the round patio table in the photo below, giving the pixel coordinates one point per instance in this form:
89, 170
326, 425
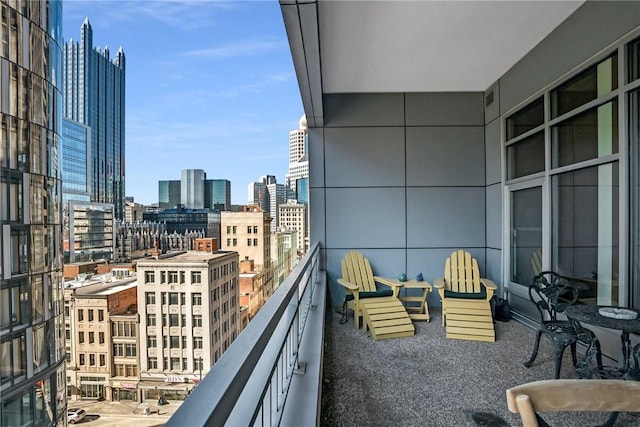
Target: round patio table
590, 314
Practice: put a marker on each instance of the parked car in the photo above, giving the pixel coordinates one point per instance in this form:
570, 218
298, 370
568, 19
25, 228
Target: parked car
75, 415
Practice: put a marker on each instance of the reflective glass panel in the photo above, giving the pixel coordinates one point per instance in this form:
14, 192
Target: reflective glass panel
586, 136
585, 87
526, 234
526, 156
585, 237
525, 119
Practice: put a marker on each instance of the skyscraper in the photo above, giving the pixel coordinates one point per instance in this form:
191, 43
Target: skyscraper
192, 188
95, 96
195, 191
32, 353
298, 157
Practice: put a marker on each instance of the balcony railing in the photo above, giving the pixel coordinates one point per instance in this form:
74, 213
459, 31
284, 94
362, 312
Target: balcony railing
270, 375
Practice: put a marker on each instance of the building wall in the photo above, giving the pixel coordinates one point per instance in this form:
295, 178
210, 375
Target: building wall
397, 177
595, 30
212, 316
32, 372
235, 235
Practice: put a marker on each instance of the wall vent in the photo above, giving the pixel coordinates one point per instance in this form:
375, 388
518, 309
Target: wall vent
488, 100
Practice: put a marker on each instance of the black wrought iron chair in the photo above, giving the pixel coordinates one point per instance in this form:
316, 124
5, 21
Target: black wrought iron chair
552, 293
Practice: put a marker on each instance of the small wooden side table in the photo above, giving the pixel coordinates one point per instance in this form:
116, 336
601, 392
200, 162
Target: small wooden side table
416, 306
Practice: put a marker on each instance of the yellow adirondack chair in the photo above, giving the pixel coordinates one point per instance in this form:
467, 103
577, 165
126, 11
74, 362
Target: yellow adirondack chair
466, 311
385, 316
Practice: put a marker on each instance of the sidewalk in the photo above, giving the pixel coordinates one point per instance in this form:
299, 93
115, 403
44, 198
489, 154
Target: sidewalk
127, 408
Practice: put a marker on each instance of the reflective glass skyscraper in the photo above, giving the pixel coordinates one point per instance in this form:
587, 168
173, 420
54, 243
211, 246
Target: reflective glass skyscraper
32, 351
95, 96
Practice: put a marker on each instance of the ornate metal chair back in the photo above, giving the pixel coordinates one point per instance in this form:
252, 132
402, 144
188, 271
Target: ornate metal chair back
552, 293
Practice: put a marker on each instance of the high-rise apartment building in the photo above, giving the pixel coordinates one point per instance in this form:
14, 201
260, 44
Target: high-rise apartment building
94, 88
195, 191
189, 315
32, 355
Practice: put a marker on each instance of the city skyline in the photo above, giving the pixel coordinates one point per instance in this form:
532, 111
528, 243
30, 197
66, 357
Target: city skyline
194, 101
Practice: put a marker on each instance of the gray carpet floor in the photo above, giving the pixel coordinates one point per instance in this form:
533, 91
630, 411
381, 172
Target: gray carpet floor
429, 380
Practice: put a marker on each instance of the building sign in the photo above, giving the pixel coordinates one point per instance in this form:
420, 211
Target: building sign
127, 385
174, 379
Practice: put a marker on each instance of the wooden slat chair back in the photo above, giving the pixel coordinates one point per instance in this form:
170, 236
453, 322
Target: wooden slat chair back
461, 273
357, 270
465, 296
572, 395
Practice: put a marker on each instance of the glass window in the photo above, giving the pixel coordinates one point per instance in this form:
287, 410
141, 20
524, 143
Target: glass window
529, 117
587, 136
81, 337
585, 87
80, 314
173, 277
585, 238
197, 342
100, 315
90, 312
152, 362
174, 320
149, 277
197, 320
196, 277
152, 341
173, 298
196, 299
176, 364
151, 320
150, 297
130, 350
526, 156
101, 337
175, 342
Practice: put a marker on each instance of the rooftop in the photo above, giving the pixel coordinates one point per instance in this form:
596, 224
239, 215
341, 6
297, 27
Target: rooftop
185, 257
101, 284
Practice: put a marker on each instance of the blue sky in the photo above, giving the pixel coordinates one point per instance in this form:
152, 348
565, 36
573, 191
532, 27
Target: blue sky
209, 85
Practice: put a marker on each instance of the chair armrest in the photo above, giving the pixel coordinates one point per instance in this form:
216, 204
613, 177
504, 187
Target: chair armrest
439, 283
348, 285
489, 284
392, 283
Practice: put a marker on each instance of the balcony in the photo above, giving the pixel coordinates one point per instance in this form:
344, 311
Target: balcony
297, 364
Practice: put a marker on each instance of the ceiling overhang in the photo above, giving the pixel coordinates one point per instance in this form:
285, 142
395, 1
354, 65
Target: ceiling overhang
411, 46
